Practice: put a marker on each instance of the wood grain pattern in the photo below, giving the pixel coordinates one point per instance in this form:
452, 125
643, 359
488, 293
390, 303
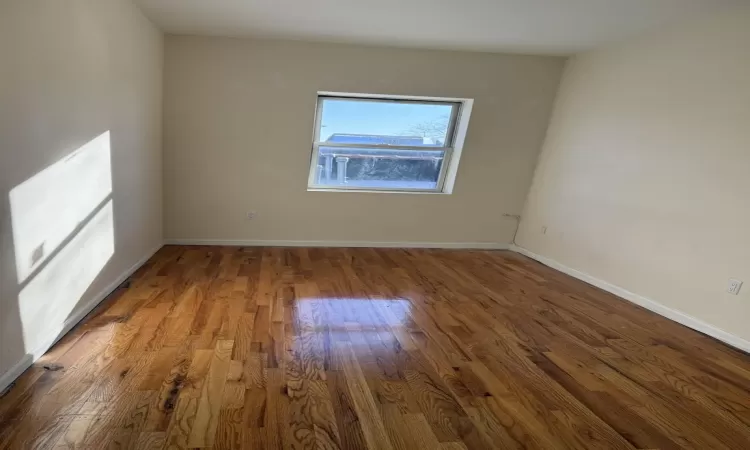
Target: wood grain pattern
276, 348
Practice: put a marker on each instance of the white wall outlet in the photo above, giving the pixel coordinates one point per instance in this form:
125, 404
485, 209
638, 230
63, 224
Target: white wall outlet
251, 215
734, 286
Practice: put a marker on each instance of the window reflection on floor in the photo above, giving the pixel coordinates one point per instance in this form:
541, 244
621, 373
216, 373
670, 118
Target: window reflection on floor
366, 312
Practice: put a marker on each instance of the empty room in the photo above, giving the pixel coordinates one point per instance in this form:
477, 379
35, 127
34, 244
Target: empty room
352, 224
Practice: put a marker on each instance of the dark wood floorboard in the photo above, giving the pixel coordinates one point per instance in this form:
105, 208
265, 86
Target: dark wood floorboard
228, 348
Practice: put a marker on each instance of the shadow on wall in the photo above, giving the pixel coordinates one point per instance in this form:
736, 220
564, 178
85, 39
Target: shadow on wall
62, 222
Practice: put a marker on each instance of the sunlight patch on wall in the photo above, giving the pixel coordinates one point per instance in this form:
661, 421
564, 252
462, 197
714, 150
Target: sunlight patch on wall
50, 207
63, 236
51, 295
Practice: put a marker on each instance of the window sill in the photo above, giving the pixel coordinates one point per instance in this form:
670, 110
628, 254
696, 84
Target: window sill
378, 191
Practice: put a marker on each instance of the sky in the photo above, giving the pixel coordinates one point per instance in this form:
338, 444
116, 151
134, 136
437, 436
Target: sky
381, 118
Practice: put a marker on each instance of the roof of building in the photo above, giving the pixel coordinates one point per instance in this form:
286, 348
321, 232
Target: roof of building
382, 139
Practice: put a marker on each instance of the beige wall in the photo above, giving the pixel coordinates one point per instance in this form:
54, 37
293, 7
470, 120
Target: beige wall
80, 161
238, 130
643, 180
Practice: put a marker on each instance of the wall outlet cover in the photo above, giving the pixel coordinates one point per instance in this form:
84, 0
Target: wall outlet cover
734, 286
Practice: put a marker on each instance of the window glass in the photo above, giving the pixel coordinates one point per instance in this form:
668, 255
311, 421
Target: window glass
369, 168
385, 122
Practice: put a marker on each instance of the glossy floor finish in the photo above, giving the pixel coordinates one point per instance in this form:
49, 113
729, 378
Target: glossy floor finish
224, 347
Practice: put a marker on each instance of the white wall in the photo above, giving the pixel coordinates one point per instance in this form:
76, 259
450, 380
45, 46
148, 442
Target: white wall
80, 161
238, 130
643, 181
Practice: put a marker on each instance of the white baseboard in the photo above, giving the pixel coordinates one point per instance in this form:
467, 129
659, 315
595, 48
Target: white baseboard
652, 305
376, 244
14, 372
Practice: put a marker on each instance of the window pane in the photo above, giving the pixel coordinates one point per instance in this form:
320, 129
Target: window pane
385, 122
378, 168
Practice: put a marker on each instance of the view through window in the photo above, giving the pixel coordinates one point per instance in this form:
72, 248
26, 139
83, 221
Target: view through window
382, 143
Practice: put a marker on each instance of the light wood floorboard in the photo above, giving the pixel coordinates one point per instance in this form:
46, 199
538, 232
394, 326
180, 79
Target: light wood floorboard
306, 348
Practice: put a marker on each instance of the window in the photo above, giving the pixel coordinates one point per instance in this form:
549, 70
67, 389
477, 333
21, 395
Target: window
379, 143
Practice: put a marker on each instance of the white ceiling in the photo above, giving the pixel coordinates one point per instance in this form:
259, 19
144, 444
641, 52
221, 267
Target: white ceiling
521, 26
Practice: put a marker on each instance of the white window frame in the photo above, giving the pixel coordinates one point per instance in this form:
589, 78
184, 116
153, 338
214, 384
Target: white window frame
453, 147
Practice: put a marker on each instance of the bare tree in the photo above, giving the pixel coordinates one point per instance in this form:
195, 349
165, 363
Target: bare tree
435, 129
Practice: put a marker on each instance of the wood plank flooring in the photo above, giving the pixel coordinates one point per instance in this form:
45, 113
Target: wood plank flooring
228, 348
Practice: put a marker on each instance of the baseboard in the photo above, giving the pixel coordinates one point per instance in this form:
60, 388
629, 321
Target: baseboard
8, 377
14, 372
652, 305
376, 244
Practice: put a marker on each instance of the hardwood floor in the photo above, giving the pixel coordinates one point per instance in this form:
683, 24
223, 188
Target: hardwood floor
224, 347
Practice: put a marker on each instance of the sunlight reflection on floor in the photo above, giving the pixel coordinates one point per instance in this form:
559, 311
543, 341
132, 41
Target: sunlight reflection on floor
345, 312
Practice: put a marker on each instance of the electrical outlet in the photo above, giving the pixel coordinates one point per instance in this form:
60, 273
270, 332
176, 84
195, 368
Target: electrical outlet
251, 215
734, 286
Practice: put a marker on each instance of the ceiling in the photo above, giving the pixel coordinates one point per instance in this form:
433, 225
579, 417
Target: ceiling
560, 27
